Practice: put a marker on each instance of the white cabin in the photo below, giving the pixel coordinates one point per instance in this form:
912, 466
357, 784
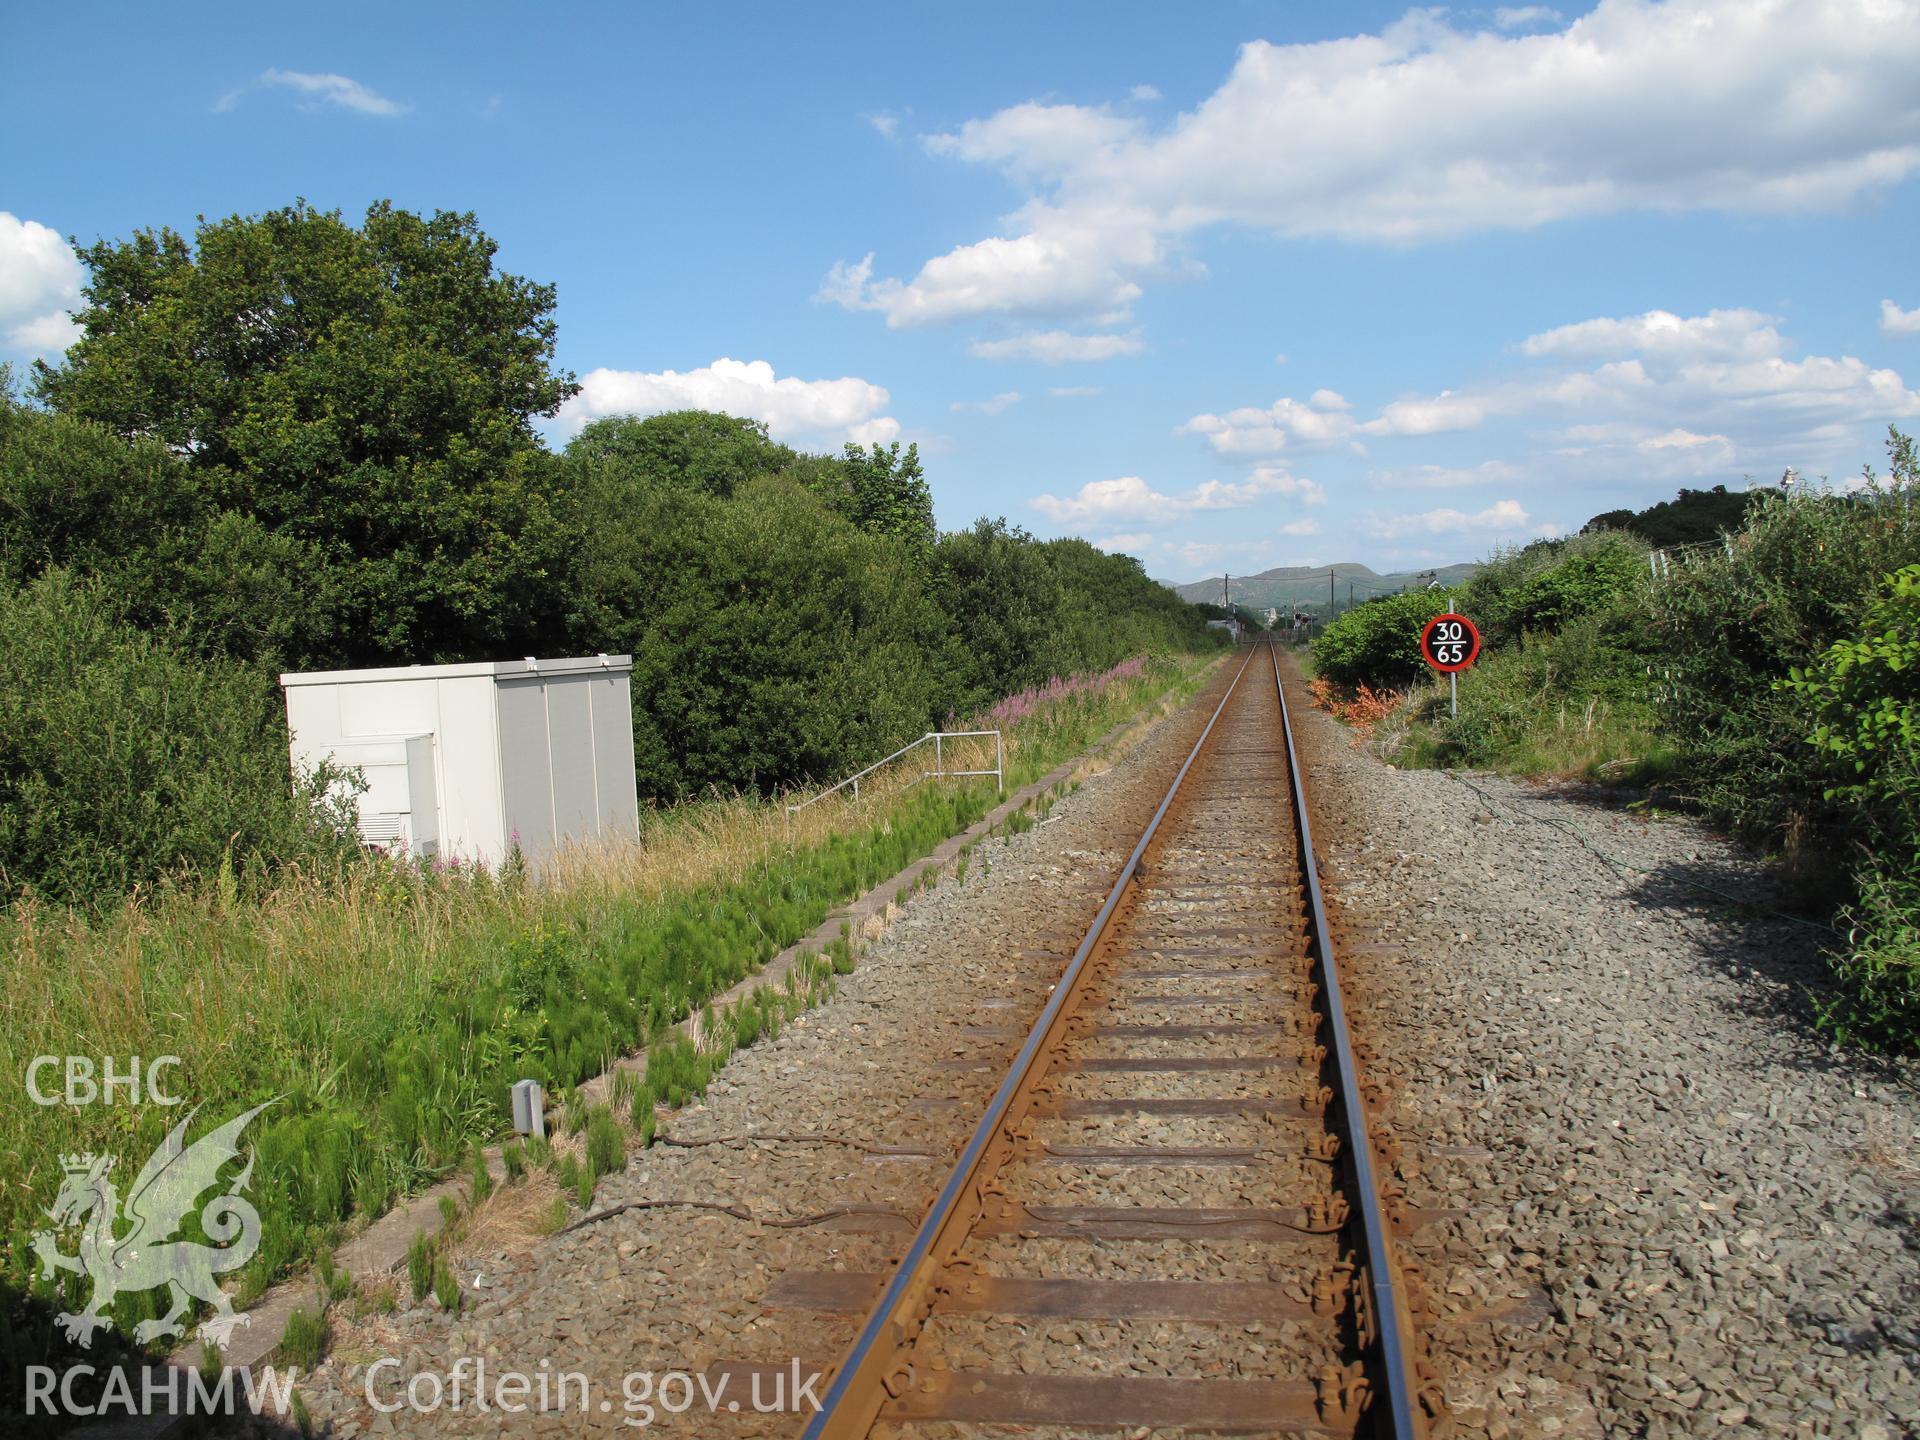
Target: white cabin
466, 761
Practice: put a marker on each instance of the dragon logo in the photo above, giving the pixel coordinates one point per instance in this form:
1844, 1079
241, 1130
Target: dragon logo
150, 1254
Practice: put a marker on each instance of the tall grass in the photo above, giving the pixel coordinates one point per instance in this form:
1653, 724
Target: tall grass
385, 1007
1578, 702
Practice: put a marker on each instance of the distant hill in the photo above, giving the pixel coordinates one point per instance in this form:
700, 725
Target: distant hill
1305, 586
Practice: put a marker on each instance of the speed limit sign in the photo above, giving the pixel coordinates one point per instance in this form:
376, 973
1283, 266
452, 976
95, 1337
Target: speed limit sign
1449, 642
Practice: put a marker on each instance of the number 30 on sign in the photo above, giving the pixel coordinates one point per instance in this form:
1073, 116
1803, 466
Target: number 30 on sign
1449, 642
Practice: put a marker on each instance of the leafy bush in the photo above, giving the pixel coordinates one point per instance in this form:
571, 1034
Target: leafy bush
1864, 697
1865, 694
1879, 970
1728, 629
125, 760
1377, 643
1551, 583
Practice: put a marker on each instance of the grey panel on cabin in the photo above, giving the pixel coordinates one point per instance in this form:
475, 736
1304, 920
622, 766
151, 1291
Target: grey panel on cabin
613, 754
423, 795
525, 781
570, 727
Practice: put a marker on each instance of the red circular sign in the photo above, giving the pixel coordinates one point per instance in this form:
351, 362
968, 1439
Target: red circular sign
1449, 642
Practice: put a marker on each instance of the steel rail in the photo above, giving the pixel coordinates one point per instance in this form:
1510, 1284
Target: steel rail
860, 1377
1396, 1354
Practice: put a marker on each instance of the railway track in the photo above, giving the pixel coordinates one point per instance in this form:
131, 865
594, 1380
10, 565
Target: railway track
1168, 1216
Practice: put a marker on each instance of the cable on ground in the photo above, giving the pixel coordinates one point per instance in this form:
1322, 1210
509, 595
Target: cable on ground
1626, 865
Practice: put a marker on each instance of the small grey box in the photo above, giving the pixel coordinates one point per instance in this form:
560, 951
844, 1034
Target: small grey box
529, 1109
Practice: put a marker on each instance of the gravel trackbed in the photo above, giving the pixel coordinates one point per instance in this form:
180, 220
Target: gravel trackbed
1703, 1219
1645, 1198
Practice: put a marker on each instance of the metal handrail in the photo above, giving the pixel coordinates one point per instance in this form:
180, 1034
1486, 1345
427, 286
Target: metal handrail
939, 771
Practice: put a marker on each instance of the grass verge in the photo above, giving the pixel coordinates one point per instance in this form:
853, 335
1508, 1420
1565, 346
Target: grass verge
384, 1009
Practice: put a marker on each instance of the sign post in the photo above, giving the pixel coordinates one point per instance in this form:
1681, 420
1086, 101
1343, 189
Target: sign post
1450, 643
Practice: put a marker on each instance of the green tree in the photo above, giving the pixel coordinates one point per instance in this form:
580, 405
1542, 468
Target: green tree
1111, 609
886, 493
1004, 601
77, 495
1690, 518
366, 393
773, 642
73, 495
698, 449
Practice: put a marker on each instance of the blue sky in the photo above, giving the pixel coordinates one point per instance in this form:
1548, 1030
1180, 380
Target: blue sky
1225, 286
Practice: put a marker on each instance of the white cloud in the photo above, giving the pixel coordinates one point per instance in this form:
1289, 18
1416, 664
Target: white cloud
1144, 93
1445, 477
1896, 321
348, 94
1057, 268
882, 430
1315, 423
1428, 130
1057, 347
1700, 452
1306, 526
991, 406
1245, 555
1717, 335
1721, 377
1503, 517
1266, 480
1524, 17
39, 282
791, 408
1274, 480
1128, 497
1433, 415
1073, 392
886, 122
1124, 544
1131, 498
44, 335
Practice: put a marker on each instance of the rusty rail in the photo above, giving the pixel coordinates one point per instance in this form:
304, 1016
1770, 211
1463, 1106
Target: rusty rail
875, 1375
1389, 1306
